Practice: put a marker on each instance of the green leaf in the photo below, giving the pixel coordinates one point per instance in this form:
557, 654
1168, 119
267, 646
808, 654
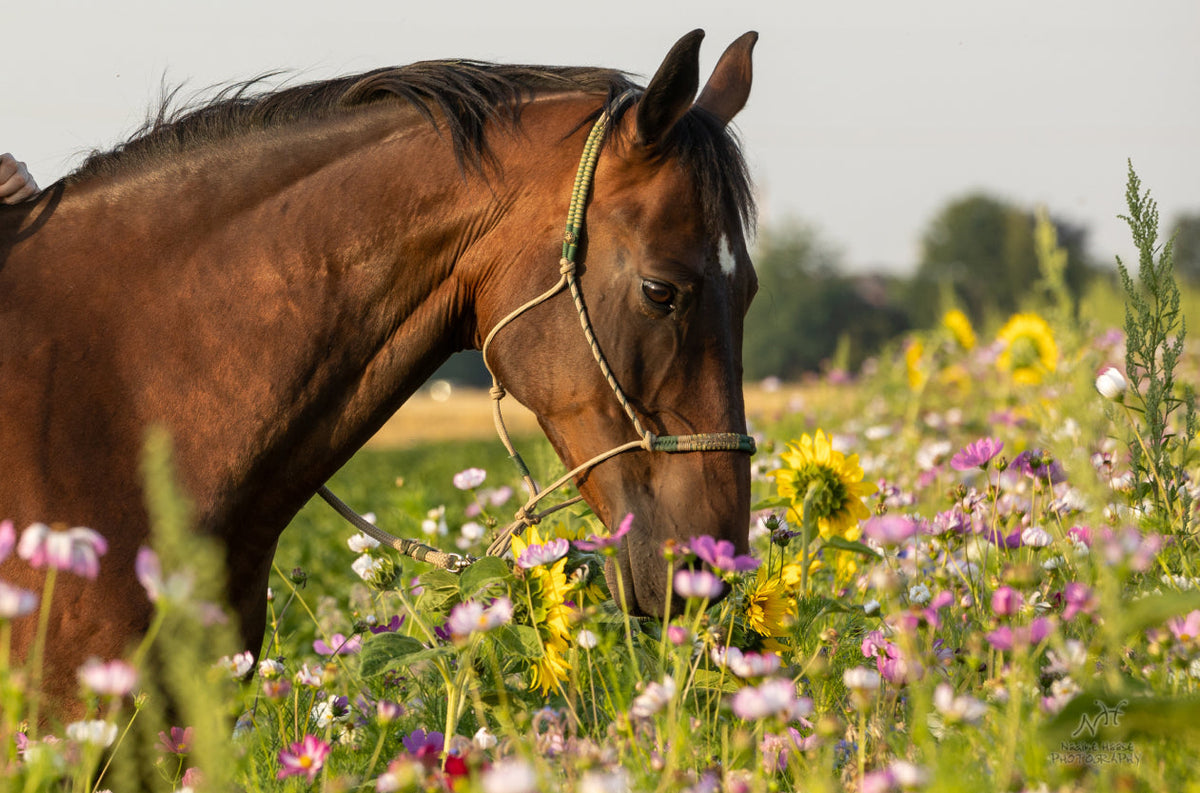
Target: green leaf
387, 650
1153, 610
520, 640
772, 503
484, 573
709, 680
842, 544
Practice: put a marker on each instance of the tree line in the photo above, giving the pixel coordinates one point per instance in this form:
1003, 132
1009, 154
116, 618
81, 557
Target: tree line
977, 254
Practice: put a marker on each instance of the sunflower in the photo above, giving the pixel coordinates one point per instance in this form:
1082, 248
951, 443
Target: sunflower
551, 613
837, 502
960, 328
768, 607
913, 354
1029, 349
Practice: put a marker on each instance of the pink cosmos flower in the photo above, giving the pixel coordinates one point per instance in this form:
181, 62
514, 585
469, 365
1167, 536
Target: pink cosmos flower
773, 697
1079, 600
1185, 629
1006, 638
471, 617
16, 602
977, 454
546, 553
178, 741
469, 479
597, 543
889, 529
720, 555
77, 550
1007, 601
338, 645
303, 758
108, 678
8, 538
699, 584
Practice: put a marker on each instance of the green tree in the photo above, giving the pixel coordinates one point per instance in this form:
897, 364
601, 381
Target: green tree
983, 248
1186, 233
805, 307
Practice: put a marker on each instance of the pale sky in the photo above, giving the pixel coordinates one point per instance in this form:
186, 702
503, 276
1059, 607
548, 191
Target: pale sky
864, 120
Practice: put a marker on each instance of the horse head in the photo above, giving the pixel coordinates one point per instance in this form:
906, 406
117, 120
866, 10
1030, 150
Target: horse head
665, 281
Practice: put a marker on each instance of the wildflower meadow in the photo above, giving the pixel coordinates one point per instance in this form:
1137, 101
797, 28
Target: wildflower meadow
973, 567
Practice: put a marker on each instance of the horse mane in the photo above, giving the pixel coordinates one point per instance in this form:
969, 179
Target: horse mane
467, 94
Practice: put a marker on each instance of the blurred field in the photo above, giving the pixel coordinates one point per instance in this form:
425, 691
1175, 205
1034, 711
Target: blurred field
466, 414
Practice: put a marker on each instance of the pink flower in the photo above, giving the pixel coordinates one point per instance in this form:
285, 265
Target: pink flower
178, 741
78, 549
1006, 638
773, 697
339, 645
1079, 600
471, 617
976, 454
699, 584
16, 602
889, 529
544, 554
8, 538
720, 555
470, 478
597, 543
305, 757
1185, 629
1006, 601
112, 678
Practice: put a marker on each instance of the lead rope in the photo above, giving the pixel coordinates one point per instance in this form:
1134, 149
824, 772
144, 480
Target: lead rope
648, 441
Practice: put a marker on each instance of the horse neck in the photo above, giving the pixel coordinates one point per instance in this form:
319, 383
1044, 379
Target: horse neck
272, 312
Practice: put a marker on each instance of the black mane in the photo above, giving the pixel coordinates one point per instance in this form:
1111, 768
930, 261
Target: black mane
466, 94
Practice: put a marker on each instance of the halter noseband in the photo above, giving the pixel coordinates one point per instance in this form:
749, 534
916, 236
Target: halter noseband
648, 441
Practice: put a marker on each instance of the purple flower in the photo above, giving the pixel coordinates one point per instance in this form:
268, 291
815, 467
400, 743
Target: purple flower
889, 529
546, 553
746, 665
699, 584
339, 645
78, 549
470, 478
303, 758
471, 617
387, 711
1037, 464
719, 554
391, 626
113, 678
596, 543
418, 742
976, 454
1079, 600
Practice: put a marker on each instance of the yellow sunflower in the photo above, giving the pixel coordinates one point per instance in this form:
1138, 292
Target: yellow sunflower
768, 607
550, 613
960, 328
1030, 352
912, 363
838, 499
552, 668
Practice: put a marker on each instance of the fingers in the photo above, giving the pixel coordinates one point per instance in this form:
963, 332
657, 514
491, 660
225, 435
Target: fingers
16, 184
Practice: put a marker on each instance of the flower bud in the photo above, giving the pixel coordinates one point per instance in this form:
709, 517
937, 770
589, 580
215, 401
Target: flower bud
1111, 384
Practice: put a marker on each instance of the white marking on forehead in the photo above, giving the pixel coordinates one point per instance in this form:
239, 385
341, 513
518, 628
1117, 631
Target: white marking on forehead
726, 257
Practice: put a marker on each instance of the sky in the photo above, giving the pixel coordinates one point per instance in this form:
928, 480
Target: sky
866, 116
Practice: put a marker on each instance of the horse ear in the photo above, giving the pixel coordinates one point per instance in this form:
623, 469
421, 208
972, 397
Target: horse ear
729, 87
671, 91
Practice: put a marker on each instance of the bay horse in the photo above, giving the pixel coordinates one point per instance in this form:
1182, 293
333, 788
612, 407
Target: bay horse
270, 275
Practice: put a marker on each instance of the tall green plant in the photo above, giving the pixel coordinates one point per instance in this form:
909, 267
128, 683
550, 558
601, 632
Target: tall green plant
1155, 330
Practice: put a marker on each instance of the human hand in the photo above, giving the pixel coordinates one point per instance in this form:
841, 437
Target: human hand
15, 182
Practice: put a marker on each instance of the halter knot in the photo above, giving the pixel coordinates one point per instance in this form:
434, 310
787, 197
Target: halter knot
497, 392
648, 441
566, 266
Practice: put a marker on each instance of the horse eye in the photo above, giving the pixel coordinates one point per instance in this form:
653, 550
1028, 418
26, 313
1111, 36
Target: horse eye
658, 293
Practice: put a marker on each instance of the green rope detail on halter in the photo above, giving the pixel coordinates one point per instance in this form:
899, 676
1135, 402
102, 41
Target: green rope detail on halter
707, 442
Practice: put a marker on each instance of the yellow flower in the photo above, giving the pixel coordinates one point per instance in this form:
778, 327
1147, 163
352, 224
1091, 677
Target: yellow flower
960, 328
552, 668
912, 362
768, 608
1029, 349
838, 500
